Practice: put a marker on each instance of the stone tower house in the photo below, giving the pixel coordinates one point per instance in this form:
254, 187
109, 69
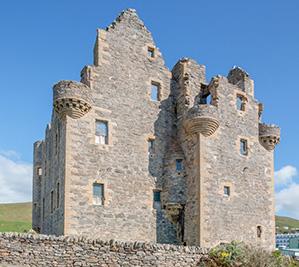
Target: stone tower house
136, 152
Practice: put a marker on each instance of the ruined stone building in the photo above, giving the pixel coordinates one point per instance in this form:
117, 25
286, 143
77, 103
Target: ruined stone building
137, 152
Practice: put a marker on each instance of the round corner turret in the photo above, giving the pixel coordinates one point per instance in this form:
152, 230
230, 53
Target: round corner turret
202, 119
71, 99
269, 136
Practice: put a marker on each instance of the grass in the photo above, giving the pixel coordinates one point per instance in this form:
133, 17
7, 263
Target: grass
288, 222
15, 217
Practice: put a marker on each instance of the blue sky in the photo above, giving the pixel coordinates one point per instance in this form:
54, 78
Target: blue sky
43, 42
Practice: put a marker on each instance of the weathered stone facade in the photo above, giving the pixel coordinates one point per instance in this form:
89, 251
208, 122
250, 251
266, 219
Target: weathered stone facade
180, 146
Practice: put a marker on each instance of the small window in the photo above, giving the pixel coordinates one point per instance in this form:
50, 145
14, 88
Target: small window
150, 52
58, 195
157, 199
52, 201
157, 196
179, 165
98, 194
44, 211
243, 147
226, 191
39, 171
259, 231
151, 146
35, 207
155, 91
101, 132
56, 143
240, 103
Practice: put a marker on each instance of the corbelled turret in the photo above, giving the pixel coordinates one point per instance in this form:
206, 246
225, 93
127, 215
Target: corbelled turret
269, 135
72, 99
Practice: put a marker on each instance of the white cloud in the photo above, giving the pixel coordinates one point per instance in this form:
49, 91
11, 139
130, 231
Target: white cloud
287, 200
15, 178
285, 175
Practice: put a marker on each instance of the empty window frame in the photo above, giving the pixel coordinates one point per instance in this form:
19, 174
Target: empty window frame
226, 191
179, 165
259, 231
98, 194
52, 201
102, 132
243, 147
240, 103
155, 91
151, 52
58, 195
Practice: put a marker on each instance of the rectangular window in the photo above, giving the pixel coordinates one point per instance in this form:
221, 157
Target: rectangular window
157, 199
101, 132
98, 194
150, 52
157, 196
240, 103
226, 191
259, 231
58, 195
52, 201
243, 147
155, 91
179, 165
39, 171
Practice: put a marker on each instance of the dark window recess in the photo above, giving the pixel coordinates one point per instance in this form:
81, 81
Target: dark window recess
58, 195
240, 103
179, 165
151, 146
157, 196
151, 52
243, 147
226, 191
259, 231
44, 211
52, 201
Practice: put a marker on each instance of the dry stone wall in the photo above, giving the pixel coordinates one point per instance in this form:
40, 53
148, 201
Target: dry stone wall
42, 250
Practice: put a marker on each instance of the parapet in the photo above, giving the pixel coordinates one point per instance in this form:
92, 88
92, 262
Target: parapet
269, 136
72, 99
202, 118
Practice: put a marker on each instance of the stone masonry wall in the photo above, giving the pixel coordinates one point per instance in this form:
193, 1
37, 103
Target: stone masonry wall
41, 250
120, 83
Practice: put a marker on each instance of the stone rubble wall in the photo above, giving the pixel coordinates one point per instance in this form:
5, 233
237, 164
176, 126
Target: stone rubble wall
42, 250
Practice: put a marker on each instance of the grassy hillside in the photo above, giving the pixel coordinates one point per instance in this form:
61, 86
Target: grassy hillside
282, 222
15, 217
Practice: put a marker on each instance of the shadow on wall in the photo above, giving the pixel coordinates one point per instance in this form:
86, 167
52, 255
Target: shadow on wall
170, 185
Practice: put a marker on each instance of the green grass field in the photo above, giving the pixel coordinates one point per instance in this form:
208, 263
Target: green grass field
286, 221
16, 217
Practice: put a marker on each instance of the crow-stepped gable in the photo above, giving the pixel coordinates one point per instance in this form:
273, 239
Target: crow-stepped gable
136, 152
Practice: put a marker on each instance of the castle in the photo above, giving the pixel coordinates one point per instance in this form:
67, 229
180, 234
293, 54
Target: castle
136, 152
